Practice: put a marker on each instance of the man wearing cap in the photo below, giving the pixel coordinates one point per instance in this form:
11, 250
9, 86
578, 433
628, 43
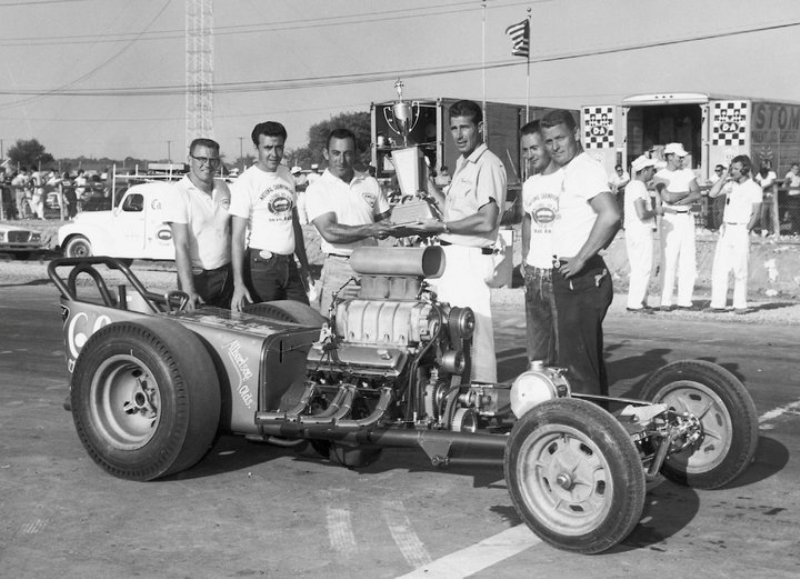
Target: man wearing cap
349, 210
264, 199
742, 211
586, 221
678, 189
639, 215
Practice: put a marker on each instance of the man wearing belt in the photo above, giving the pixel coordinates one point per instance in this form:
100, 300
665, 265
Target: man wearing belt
198, 217
264, 198
678, 189
586, 220
540, 194
742, 210
349, 210
472, 207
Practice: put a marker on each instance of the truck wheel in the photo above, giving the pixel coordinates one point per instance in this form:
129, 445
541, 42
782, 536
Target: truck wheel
727, 415
145, 399
288, 311
574, 475
78, 246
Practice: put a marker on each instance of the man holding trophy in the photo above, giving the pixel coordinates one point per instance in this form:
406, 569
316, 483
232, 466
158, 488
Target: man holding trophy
471, 207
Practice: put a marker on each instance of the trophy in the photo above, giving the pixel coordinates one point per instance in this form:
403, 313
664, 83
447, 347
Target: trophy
404, 115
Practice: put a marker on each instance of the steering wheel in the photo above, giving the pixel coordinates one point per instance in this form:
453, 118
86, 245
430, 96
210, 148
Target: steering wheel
181, 297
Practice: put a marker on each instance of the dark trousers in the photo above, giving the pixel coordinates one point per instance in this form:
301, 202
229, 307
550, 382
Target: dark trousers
215, 286
540, 315
274, 278
582, 302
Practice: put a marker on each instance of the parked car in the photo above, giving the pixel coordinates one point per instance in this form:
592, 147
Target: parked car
134, 229
20, 241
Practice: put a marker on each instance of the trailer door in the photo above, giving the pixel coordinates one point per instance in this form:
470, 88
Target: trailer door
729, 131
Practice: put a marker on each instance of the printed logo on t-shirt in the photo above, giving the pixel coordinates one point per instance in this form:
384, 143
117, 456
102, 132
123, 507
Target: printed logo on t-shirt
543, 209
370, 198
279, 201
225, 203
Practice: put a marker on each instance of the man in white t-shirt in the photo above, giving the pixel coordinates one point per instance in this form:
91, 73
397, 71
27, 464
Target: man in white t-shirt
792, 183
639, 215
767, 180
733, 248
349, 210
678, 189
198, 216
263, 199
540, 197
586, 221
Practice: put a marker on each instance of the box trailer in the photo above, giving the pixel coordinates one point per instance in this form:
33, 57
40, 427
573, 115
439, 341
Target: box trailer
714, 129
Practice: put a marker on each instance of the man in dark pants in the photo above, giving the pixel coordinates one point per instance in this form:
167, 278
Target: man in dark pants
587, 220
263, 198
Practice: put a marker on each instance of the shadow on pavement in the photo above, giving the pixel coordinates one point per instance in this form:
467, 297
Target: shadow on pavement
771, 458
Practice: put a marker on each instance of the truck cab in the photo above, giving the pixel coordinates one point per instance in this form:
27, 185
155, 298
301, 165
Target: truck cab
135, 229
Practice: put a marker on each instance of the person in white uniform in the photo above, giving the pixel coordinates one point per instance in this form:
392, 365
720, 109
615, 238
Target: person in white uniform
678, 189
639, 215
742, 213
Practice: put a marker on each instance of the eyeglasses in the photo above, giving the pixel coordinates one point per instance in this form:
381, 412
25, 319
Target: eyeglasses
210, 161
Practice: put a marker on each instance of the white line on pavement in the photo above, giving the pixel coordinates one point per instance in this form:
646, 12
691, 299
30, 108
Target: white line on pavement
479, 556
775, 412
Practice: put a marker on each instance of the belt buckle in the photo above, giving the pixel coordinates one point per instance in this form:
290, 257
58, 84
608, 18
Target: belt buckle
264, 254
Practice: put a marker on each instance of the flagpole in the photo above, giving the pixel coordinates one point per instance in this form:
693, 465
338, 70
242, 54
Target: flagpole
483, 71
530, 48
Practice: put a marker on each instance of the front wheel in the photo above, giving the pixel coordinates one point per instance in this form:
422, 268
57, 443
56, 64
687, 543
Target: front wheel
78, 246
727, 415
574, 475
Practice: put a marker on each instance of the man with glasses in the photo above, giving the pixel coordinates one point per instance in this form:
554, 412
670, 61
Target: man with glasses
198, 216
264, 199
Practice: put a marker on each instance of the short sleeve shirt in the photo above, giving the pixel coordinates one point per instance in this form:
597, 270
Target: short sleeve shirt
207, 218
767, 181
358, 202
541, 196
741, 198
584, 179
478, 179
633, 192
677, 181
267, 200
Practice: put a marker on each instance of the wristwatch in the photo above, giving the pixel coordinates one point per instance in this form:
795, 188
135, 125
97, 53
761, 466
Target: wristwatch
446, 229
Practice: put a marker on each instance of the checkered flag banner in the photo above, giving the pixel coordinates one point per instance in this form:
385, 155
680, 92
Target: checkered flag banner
520, 34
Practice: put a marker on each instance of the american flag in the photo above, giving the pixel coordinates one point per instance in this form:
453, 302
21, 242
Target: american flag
520, 34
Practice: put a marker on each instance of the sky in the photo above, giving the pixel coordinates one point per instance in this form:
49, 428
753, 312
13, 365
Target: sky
105, 78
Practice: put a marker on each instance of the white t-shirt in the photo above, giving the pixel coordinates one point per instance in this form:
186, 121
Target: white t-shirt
356, 203
677, 181
207, 218
634, 191
266, 200
540, 199
584, 179
741, 198
767, 181
793, 181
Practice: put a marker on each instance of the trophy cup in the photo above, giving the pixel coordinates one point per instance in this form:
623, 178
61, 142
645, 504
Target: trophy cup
409, 163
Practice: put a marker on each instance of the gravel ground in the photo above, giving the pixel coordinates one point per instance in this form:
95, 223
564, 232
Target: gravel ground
160, 276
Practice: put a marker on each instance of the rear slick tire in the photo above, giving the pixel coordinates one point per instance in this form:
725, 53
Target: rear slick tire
145, 399
287, 311
726, 413
574, 475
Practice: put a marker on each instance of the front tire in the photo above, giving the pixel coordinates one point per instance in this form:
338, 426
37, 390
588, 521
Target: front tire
287, 311
78, 246
574, 475
727, 415
145, 399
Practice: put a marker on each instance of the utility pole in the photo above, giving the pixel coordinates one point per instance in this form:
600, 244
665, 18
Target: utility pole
241, 153
199, 69
169, 152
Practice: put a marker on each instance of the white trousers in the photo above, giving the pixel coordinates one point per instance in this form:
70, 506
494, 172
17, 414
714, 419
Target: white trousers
463, 284
678, 250
732, 254
639, 244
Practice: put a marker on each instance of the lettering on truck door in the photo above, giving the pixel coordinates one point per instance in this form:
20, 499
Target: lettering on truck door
157, 233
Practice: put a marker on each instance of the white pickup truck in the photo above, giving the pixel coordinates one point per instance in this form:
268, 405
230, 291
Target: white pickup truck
135, 229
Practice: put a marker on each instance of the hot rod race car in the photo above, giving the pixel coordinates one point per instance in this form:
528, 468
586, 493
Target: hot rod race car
153, 384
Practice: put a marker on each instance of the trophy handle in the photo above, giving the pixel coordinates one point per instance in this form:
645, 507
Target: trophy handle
414, 114
390, 121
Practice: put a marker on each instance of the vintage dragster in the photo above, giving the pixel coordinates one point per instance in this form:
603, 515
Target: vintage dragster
152, 385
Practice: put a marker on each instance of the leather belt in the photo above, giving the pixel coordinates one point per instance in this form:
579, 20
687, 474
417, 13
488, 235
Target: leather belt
484, 250
338, 255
